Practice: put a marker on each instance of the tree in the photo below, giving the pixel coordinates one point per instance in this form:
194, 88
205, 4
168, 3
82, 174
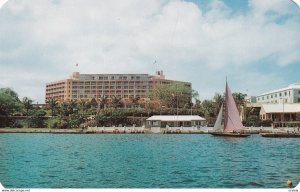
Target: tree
239, 99
103, 102
36, 119
134, 101
253, 121
84, 106
53, 105
218, 100
75, 120
116, 102
172, 95
27, 104
94, 103
9, 104
73, 106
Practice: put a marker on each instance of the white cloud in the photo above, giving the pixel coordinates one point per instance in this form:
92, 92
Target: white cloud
127, 36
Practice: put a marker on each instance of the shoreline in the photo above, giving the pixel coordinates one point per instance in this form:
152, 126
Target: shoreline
138, 130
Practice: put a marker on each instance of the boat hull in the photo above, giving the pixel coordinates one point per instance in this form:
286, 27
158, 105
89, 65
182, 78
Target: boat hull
280, 135
229, 134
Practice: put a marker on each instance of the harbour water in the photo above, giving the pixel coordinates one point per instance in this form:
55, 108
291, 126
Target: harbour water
146, 161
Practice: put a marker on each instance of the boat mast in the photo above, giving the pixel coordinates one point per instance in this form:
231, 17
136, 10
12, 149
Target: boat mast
226, 106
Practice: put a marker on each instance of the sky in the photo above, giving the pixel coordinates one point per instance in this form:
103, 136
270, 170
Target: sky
255, 43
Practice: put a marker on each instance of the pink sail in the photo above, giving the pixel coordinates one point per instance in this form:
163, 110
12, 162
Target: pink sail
232, 119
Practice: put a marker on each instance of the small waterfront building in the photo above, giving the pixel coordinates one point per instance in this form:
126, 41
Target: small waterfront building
280, 113
164, 121
290, 94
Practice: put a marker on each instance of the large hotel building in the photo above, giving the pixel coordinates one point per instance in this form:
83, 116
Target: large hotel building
85, 87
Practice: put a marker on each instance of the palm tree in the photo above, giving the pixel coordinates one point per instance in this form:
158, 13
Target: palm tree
240, 100
134, 101
85, 105
27, 104
218, 100
103, 101
116, 102
73, 106
52, 105
64, 109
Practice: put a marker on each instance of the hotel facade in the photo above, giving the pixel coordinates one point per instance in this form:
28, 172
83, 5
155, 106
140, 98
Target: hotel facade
290, 94
281, 105
85, 87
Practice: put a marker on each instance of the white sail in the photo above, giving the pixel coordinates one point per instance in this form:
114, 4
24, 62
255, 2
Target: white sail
232, 119
218, 123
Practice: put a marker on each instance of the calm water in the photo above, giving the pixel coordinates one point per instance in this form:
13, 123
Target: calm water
147, 161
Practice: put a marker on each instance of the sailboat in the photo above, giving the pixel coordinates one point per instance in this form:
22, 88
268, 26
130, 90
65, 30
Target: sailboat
232, 122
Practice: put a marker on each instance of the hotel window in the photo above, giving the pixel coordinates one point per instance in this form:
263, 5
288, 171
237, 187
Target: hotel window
280, 94
298, 100
267, 97
100, 78
285, 94
271, 96
298, 92
93, 83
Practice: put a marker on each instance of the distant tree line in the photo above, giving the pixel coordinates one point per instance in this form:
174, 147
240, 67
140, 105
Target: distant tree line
167, 99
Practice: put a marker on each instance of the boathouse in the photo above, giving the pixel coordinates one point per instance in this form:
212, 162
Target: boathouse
164, 121
280, 113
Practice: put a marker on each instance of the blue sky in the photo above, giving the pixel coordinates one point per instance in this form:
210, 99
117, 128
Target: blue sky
255, 43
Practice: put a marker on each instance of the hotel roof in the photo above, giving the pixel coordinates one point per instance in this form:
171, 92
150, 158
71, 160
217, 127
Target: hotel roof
291, 86
280, 108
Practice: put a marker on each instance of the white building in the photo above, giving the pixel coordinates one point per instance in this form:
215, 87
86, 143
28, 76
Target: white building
279, 112
290, 94
164, 121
